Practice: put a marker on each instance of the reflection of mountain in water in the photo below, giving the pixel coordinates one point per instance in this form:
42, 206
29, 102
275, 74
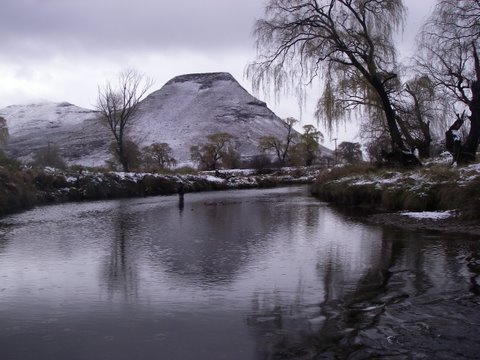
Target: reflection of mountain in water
254, 274
209, 243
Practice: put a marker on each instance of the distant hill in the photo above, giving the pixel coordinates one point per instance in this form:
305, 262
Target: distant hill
189, 107
74, 130
182, 113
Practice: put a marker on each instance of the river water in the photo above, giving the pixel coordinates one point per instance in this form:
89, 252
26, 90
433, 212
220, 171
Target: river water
251, 274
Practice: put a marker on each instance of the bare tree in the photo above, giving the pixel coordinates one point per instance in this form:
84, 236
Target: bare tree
280, 147
117, 105
48, 156
450, 57
347, 43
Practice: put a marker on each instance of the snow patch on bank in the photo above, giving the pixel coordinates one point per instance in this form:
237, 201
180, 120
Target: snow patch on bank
430, 215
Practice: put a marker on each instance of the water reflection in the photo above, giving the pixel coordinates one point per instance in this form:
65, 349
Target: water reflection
258, 274
120, 273
418, 299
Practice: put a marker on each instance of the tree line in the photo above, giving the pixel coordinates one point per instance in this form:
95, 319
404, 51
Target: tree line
218, 150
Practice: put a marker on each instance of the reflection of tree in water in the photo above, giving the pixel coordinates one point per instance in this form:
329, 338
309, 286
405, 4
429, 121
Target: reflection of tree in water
3, 238
415, 301
119, 271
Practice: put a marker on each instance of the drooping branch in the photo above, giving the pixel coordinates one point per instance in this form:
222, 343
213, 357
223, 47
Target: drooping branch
347, 43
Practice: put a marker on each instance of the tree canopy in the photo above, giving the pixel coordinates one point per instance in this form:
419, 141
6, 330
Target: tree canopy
158, 156
219, 149
349, 152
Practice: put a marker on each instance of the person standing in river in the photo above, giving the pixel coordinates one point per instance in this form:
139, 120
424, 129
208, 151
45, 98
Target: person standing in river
181, 192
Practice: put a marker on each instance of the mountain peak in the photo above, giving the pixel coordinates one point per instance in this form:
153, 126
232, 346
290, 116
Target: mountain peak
205, 79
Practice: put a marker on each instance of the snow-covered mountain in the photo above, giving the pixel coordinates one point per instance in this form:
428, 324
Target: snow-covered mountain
74, 130
182, 113
190, 107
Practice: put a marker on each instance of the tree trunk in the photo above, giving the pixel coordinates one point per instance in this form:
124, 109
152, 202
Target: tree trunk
469, 149
122, 158
424, 148
400, 155
395, 136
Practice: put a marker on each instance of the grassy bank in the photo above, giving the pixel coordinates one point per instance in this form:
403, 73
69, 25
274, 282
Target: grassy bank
23, 189
431, 188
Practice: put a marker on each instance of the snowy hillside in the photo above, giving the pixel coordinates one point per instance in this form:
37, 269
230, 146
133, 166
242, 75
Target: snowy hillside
190, 107
74, 130
182, 113
42, 116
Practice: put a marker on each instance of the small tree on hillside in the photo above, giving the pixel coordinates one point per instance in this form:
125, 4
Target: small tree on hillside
349, 152
4, 159
48, 156
307, 150
3, 132
211, 155
131, 154
281, 148
158, 156
117, 105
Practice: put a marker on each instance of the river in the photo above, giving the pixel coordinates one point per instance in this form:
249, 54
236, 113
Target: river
247, 274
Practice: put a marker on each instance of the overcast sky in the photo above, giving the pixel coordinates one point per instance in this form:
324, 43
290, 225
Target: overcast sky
60, 50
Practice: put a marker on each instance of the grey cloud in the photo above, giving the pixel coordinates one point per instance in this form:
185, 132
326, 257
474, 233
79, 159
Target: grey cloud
126, 25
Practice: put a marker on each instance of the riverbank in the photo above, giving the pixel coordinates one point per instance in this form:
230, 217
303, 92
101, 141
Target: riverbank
452, 224
23, 189
435, 197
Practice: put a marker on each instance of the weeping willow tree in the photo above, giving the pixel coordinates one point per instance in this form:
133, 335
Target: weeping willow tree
348, 44
450, 57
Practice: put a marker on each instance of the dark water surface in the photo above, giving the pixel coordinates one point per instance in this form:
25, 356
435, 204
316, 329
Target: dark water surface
254, 274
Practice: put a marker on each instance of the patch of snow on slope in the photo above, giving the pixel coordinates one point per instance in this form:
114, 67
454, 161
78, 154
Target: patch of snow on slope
42, 116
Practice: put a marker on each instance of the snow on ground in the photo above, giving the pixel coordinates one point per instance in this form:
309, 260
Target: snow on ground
431, 215
378, 180
416, 179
